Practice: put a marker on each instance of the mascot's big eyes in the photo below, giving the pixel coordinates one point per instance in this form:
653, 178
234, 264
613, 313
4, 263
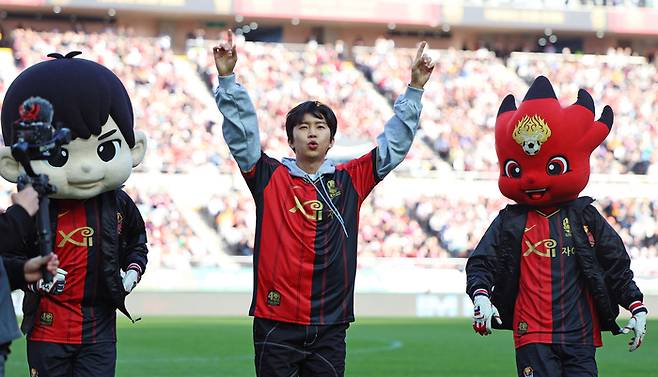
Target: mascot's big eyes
58, 160
557, 165
109, 149
512, 169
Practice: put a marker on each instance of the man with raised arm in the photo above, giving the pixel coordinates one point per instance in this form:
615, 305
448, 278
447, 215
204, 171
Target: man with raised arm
307, 216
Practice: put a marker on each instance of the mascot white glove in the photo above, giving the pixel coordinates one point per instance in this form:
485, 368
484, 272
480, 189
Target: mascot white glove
130, 280
483, 312
637, 324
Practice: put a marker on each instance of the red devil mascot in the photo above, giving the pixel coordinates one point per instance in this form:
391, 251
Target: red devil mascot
550, 267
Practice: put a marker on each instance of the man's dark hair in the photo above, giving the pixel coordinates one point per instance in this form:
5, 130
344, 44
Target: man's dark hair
315, 108
83, 94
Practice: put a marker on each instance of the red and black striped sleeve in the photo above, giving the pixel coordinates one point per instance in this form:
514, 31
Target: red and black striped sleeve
363, 173
259, 175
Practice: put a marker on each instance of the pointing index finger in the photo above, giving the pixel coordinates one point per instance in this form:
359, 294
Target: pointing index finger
421, 47
231, 44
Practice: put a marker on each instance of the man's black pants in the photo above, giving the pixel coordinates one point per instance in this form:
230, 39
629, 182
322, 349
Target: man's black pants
286, 349
556, 360
47, 359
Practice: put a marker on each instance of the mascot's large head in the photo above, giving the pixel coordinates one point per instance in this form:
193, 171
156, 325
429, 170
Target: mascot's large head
92, 102
543, 149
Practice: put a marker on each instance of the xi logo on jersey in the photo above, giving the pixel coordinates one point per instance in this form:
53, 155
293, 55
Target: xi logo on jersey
312, 209
85, 232
533, 248
548, 248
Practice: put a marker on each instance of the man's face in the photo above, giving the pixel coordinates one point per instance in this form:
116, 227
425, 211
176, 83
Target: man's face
311, 138
86, 168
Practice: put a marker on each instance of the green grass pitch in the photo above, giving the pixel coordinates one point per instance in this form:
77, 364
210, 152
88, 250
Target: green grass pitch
189, 347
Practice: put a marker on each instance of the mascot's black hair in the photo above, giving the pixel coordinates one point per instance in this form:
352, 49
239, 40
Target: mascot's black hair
83, 94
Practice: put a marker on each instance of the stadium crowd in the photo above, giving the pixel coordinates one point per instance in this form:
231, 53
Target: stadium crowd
460, 103
172, 243
456, 123
434, 226
386, 229
279, 76
184, 134
629, 86
460, 107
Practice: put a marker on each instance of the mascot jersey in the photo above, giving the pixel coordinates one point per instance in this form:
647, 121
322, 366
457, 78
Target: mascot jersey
82, 313
553, 305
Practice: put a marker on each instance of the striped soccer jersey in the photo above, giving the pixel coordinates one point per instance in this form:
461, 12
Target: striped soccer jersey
554, 305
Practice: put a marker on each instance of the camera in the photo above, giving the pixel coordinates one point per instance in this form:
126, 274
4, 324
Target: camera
36, 138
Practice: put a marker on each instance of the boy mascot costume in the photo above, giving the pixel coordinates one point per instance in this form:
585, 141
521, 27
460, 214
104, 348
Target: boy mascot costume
97, 230
550, 267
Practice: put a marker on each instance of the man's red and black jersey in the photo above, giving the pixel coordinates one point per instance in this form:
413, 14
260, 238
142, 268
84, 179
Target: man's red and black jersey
553, 305
304, 263
83, 312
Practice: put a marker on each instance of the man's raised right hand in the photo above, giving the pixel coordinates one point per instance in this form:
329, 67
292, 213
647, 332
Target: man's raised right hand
226, 55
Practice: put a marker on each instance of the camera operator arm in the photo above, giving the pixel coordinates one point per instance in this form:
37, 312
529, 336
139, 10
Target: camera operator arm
36, 139
44, 233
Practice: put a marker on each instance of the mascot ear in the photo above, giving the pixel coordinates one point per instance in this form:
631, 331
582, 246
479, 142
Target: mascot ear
9, 168
139, 149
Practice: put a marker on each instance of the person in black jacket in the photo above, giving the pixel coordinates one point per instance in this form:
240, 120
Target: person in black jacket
550, 267
98, 232
15, 225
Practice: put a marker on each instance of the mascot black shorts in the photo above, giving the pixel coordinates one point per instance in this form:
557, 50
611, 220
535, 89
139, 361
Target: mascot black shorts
63, 360
556, 360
